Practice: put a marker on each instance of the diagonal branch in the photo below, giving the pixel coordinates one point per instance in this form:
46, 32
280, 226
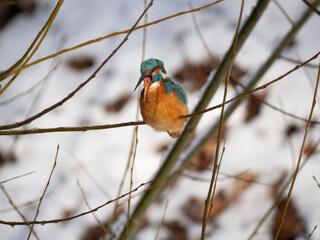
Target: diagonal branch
316, 10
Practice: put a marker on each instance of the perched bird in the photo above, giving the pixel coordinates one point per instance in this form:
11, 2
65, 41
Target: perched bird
162, 101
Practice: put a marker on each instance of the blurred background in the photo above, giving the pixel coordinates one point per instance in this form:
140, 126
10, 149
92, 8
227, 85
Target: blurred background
262, 145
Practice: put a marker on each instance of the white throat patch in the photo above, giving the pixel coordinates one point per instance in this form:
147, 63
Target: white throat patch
155, 85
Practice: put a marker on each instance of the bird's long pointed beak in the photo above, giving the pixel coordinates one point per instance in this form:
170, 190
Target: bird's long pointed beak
147, 82
139, 82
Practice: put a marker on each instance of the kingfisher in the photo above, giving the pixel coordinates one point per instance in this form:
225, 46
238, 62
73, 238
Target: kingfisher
162, 101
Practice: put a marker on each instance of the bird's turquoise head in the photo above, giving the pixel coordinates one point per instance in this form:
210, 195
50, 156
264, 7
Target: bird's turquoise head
150, 65
148, 68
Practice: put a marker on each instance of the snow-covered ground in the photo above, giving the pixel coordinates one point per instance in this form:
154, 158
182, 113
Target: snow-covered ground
260, 145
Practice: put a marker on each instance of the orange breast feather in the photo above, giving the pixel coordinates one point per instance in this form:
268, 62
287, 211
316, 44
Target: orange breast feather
161, 111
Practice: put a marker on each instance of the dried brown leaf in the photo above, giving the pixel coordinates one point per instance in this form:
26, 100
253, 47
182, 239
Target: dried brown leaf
95, 232
118, 104
273, 190
161, 148
195, 74
291, 129
309, 148
177, 231
194, 207
254, 106
205, 158
293, 223
240, 185
10, 11
8, 158
81, 63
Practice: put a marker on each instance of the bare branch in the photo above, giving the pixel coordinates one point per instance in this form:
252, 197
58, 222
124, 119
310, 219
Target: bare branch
26, 222
44, 192
298, 62
316, 181
70, 129
162, 220
20, 176
311, 7
309, 236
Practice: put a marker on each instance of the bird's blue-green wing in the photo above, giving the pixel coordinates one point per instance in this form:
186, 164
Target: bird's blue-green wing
180, 93
171, 86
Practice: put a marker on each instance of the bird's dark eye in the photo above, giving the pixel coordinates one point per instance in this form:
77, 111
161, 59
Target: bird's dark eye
149, 78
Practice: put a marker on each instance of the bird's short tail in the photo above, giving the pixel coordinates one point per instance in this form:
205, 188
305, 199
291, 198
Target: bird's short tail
174, 134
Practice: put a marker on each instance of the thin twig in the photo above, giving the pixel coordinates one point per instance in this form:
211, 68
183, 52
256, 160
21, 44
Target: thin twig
162, 220
216, 180
227, 177
283, 11
18, 211
20, 176
298, 62
316, 181
70, 95
309, 77
131, 174
93, 179
22, 205
144, 39
311, 7
309, 236
300, 155
103, 228
202, 39
29, 90
290, 140
44, 192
